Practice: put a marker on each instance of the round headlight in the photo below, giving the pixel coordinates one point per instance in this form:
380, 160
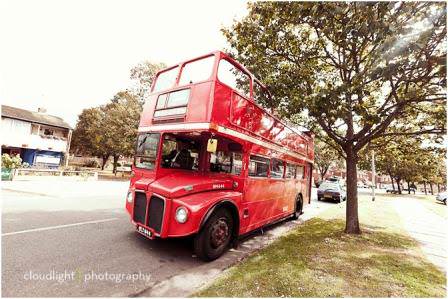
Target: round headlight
130, 196
181, 215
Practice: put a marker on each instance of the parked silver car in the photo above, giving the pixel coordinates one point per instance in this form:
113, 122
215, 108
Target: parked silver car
442, 197
331, 190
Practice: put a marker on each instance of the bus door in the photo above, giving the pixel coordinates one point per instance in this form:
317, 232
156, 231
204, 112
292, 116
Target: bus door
258, 198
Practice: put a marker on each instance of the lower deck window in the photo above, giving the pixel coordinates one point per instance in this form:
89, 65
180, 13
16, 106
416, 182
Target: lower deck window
180, 152
277, 169
258, 166
226, 162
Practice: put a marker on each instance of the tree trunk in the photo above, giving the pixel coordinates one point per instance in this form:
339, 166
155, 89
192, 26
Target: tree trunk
398, 185
430, 187
438, 188
409, 188
392, 180
115, 164
105, 158
352, 222
424, 186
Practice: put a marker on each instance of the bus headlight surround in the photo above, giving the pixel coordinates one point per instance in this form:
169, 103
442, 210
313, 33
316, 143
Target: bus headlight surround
130, 196
181, 214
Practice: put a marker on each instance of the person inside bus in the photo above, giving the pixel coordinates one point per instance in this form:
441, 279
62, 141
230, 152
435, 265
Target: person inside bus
183, 160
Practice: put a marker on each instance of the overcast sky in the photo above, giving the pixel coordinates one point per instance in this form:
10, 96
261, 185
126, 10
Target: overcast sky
69, 55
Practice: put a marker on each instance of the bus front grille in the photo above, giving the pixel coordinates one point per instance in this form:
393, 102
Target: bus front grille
140, 207
155, 213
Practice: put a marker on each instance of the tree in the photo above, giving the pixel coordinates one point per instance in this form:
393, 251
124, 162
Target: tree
144, 74
121, 120
409, 159
89, 134
354, 69
325, 156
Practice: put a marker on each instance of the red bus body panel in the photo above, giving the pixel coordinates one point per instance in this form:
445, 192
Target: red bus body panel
216, 108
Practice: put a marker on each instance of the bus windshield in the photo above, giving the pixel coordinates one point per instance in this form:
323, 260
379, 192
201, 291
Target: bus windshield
146, 153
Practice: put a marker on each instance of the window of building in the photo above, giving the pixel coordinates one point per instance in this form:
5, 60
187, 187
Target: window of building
180, 152
277, 168
258, 166
261, 95
290, 171
300, 172
196, 71
166, 79
146, 152
234, 77
34, 129
48, 132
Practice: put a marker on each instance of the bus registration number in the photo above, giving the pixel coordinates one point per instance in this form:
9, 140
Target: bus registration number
144, 231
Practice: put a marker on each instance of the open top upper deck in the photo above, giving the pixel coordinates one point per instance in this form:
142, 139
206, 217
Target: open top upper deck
215, 93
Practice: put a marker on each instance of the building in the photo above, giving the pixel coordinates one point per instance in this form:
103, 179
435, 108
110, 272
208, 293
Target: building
40, 139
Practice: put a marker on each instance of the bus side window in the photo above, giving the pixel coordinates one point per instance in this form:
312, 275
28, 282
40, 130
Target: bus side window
258, 167
226, 162
234, 77
300, 172
290, 171
277, 169
237, 165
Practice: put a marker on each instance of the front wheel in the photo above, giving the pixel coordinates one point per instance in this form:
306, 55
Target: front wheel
444, 201
214, 238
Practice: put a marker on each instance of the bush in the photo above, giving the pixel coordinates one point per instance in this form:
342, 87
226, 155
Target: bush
11, 162
92, 163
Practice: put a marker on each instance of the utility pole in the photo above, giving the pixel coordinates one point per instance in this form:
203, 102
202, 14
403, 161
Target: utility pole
373, 175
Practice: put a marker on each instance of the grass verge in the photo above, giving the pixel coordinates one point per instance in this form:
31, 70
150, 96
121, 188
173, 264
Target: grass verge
318, 260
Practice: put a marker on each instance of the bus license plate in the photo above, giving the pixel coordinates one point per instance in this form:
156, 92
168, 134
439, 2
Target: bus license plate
144, 231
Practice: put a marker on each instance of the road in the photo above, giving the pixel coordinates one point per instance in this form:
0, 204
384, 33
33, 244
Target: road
75, 239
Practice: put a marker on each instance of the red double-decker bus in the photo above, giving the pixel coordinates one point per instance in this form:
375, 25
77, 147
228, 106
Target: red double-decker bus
210, 162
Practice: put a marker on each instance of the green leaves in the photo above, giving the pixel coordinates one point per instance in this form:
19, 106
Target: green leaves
367, 65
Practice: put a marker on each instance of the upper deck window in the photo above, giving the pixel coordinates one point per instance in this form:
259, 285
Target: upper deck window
234, 77
166, 79
261, 96
196, 71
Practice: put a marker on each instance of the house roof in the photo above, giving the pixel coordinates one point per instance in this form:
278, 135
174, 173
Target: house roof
35, 117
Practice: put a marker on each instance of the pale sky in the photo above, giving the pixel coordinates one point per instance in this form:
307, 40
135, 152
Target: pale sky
69, 55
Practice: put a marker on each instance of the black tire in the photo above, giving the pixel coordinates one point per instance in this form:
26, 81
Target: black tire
318, 198
338, 200
215, 236
444, 201
298, 210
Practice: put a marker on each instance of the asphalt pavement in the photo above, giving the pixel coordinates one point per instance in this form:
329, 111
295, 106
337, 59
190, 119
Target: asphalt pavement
75, 239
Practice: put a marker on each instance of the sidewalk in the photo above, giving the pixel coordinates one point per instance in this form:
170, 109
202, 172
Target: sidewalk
428, 228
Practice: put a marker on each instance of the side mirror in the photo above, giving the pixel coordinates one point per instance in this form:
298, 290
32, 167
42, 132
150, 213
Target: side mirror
212, 144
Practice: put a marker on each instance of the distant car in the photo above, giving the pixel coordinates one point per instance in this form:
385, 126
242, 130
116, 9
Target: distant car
407, 190
442, 197
331, 190
391, 190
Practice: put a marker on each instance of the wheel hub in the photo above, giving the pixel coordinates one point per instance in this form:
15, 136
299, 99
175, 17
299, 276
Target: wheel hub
219, 232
